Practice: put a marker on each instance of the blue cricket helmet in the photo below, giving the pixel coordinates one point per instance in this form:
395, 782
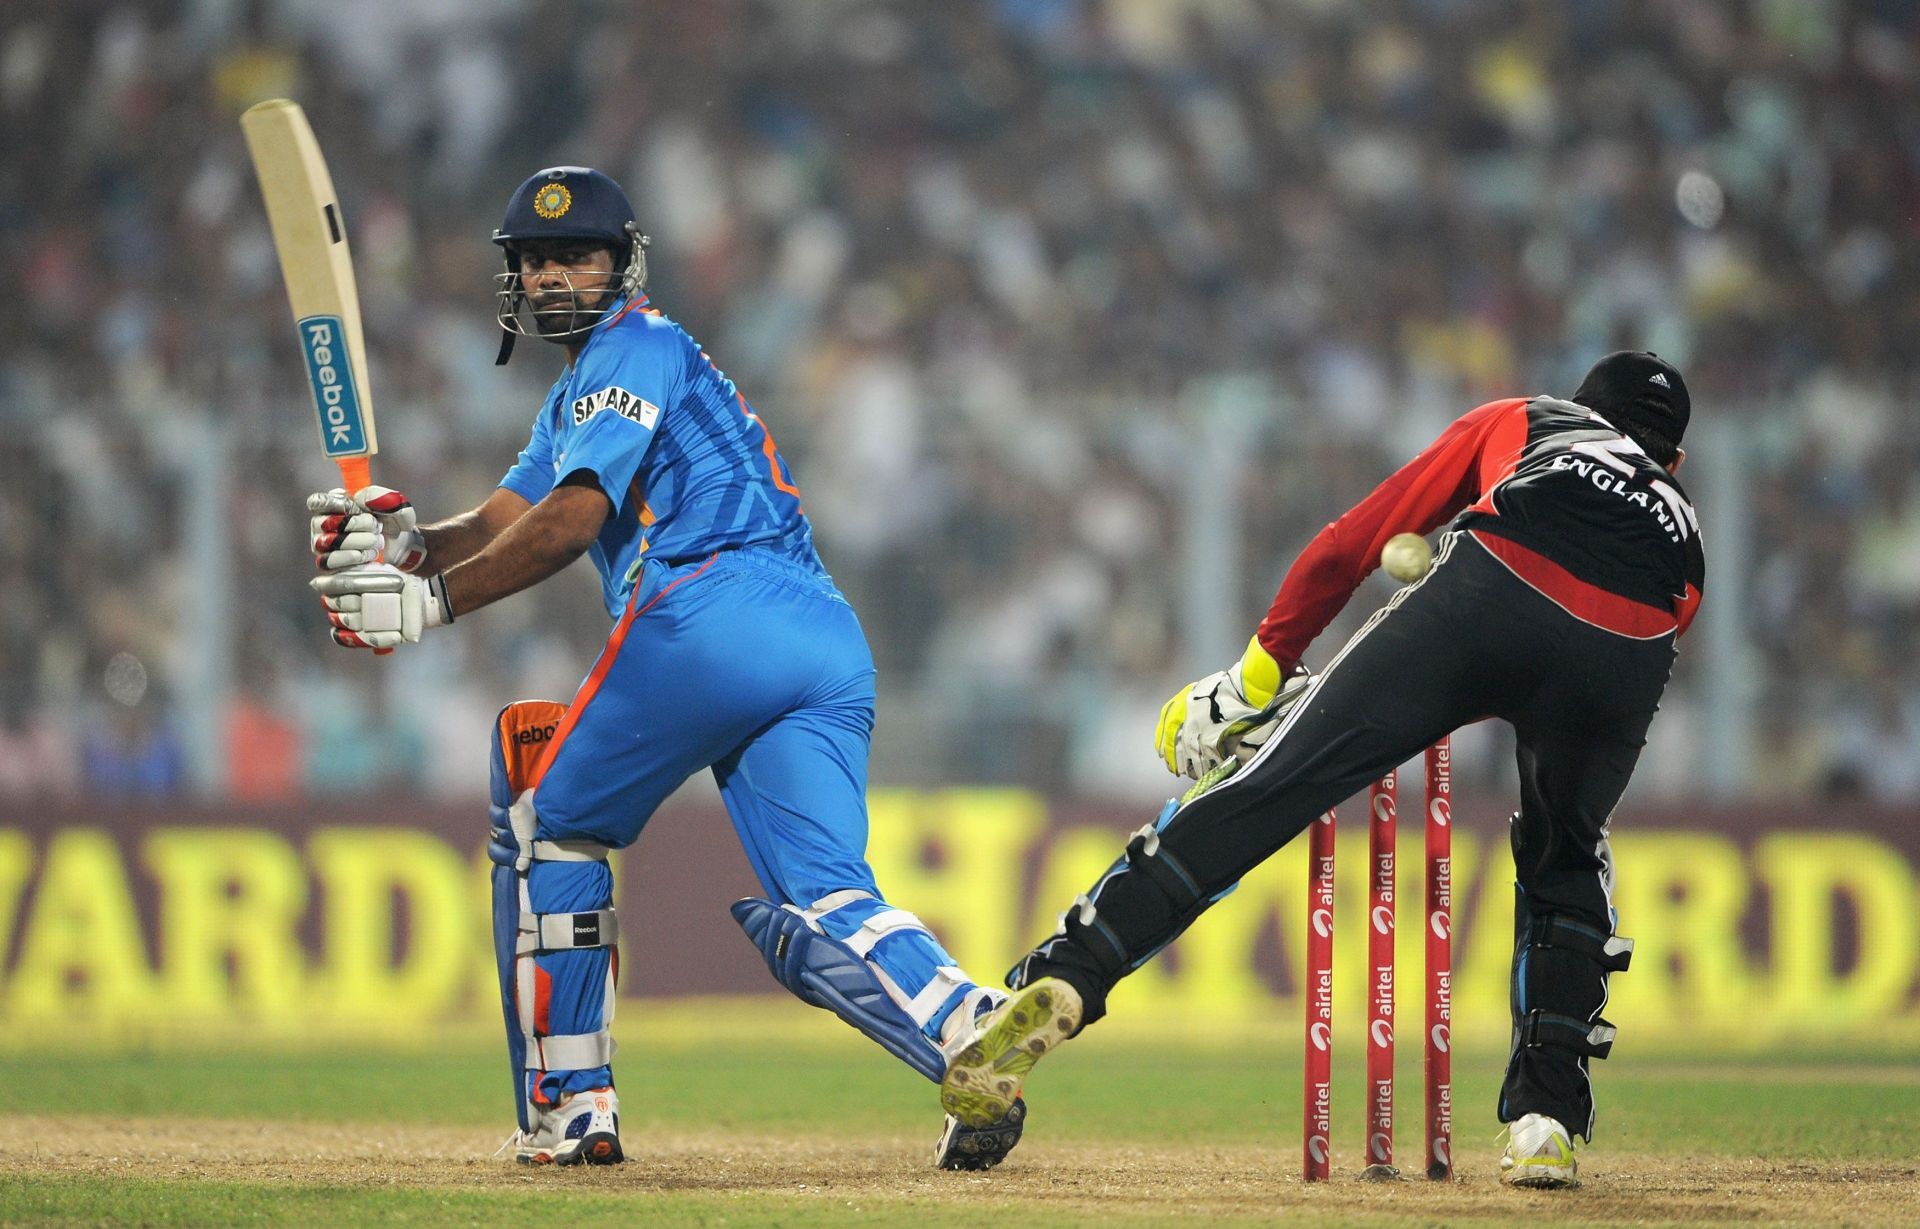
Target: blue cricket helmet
567, 202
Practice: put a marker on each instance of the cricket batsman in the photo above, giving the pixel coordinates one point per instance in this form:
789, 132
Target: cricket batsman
1572, 566
731, 650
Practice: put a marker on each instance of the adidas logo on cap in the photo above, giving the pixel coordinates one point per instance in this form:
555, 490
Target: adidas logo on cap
1660, 378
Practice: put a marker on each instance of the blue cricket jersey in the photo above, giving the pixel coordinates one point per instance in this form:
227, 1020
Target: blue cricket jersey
671, 441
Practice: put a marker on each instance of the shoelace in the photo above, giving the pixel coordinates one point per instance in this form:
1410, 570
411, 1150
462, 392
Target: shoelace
513, 1141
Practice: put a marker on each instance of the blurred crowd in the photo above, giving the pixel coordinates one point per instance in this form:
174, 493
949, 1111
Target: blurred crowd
1075, 318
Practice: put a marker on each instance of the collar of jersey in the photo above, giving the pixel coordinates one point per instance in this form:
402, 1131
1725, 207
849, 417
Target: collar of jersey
614, 314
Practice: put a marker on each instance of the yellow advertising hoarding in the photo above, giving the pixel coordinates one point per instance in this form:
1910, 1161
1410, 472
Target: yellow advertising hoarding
290, 928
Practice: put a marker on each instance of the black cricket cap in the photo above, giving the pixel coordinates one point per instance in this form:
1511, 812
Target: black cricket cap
1638, 388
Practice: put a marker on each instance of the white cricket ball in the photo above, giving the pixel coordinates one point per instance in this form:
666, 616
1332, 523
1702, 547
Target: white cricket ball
1407, 557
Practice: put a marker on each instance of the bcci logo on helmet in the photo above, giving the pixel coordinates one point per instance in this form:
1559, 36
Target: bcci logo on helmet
552, 201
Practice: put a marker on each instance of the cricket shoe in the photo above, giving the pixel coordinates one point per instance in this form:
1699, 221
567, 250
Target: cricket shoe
961, 1146
983, 1080
583, 1129
965, 1147
1539, 1154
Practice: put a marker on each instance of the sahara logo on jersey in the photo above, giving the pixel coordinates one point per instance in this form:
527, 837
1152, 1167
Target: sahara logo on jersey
621, 402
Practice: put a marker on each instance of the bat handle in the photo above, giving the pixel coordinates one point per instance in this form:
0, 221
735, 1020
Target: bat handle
356, 473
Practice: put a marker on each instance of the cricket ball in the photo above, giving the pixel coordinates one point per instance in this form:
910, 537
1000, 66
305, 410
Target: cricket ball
1406, 557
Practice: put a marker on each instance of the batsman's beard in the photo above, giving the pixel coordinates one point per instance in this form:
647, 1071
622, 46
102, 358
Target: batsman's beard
557, 315
565, 315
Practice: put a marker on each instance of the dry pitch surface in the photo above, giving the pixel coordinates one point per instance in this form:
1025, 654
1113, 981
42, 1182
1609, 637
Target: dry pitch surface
750, 1127
755, 1179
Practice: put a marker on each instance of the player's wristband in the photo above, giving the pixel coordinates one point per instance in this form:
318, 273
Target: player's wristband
1260, 674
437, 594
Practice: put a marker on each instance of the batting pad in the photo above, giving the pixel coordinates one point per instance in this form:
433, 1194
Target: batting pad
555, 934
826, 972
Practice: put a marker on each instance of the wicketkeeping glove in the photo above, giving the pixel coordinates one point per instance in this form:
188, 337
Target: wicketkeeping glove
376, 524
1231, 712
377, 606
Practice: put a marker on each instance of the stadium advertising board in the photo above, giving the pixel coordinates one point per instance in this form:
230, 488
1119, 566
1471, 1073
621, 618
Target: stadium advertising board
1753, 925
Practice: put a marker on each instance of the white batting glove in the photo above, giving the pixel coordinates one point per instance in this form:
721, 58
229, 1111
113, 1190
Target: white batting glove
377, 606
376, 524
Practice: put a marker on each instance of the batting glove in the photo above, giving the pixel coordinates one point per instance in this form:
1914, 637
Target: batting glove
377, 606
376, 524
1230, 712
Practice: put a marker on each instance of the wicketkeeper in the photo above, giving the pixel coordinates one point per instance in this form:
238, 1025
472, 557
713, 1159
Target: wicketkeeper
1571, 567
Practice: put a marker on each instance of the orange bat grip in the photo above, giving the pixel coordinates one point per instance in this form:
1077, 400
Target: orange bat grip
356, 473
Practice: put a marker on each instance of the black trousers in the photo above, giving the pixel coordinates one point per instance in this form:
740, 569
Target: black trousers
1469, 641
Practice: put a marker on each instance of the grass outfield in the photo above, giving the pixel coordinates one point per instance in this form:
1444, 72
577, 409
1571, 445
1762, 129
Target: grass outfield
729, 1129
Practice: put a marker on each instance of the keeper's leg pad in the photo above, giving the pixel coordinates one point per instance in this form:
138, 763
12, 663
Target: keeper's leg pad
555, 935
825, 956
1087, 952
1561, 967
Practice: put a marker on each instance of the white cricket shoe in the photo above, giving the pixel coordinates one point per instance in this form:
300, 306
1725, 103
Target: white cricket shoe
983, 1079
583, 1129
1539, 1154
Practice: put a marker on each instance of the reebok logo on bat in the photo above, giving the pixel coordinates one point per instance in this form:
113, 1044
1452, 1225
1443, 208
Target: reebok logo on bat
330, 372
621, 402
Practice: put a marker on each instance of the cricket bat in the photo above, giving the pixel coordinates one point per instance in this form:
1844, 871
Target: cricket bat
311, 239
